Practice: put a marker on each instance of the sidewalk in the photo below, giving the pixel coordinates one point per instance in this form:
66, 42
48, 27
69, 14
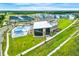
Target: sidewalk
7, 46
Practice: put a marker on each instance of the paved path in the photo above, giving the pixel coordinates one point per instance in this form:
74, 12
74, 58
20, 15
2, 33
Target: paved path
30, 49
7, 45
56, 49
2, 30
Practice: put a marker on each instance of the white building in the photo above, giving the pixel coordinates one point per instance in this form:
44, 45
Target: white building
42, 28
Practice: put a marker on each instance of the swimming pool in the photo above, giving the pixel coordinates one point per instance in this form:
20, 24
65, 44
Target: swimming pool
20, 31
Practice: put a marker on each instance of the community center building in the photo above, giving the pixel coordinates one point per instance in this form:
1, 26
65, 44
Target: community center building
42, 28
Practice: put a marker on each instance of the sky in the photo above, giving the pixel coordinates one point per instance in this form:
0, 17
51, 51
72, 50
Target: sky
39, 6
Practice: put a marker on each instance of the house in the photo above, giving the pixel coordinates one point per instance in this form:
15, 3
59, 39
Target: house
42, 28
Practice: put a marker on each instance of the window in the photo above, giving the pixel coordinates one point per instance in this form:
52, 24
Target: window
38, 32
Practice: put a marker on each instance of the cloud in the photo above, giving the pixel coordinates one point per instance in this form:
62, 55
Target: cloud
39, 6
46, 8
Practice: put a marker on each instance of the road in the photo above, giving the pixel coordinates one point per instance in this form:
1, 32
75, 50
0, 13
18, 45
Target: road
2, 30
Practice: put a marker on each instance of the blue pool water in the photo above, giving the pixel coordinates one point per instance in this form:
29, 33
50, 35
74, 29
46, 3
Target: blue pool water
20, 31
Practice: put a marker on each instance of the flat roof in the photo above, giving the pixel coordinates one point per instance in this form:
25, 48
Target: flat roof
41, 24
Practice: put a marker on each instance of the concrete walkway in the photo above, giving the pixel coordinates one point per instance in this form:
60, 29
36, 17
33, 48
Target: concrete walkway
7, 45
56, 49
30, 49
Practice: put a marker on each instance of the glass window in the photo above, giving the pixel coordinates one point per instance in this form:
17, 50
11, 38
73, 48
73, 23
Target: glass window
38, 32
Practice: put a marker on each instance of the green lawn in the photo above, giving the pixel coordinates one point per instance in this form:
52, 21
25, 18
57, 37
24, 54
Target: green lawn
52, 44
20, 44
71, 48
63, 23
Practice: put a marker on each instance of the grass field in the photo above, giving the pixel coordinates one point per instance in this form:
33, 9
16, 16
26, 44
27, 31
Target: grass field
20, 44
63, 23
52, 44
71, 48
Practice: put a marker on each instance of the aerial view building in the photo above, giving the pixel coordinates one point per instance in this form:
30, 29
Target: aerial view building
42, 31
41, 28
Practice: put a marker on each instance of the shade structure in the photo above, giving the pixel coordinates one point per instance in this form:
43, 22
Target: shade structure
21, 18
